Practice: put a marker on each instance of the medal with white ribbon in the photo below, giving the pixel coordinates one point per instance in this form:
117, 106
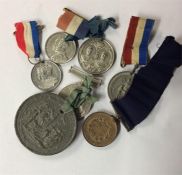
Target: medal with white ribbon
45, 75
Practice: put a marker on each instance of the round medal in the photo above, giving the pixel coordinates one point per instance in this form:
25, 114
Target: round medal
100, 129
46, 75
96, 56
119, 85
58, 50
41, 125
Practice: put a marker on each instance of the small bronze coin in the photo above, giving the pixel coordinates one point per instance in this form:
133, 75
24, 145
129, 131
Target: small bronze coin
100, 129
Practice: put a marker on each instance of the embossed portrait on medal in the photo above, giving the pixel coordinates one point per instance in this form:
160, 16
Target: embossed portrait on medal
59, 50
96, 56
46, 75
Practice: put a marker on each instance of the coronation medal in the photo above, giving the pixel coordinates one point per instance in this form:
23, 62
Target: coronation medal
96, 56
59, 50
45, 74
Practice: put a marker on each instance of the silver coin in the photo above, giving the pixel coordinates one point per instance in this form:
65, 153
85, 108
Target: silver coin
86, 106
119, 85
42, 127
46, 75
96, 56
58, 50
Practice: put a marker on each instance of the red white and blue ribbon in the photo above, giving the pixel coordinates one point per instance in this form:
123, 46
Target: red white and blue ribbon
73, 24
27, 37
135, 49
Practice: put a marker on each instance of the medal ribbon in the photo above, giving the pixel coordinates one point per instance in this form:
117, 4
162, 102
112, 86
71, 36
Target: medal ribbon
73, 24
149, 84
135, 49
79, 96
78, 27
27, 37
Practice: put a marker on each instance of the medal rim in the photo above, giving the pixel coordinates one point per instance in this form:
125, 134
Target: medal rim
21, 140
46, 50
112, 48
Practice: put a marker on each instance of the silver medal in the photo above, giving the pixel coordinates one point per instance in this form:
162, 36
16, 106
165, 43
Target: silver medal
46, 75
58, 50
119, 85
41, 125
96, 56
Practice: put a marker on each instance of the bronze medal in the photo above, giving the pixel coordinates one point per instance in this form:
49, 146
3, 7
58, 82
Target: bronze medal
100, 129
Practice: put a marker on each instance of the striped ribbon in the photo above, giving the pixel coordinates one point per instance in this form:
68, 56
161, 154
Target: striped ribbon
27, 37
135, 49
73, 24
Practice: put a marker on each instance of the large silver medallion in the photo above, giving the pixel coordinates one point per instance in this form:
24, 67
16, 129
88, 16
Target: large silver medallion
41, 125
119, 85
58, 50
46, 75
85, 107
96, 56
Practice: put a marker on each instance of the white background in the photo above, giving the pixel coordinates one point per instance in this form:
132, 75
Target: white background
152, 148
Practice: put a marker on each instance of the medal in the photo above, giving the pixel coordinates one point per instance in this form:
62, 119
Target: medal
59, 50
100, 129
96, 56
41, 125
119, 85
45, 74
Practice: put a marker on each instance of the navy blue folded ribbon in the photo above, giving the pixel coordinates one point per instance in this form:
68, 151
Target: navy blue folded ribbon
149, 84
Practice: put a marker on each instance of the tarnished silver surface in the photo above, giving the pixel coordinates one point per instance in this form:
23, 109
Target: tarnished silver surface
85, 108
119, 85
46, 75
58, 50
41, 125
96, 56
